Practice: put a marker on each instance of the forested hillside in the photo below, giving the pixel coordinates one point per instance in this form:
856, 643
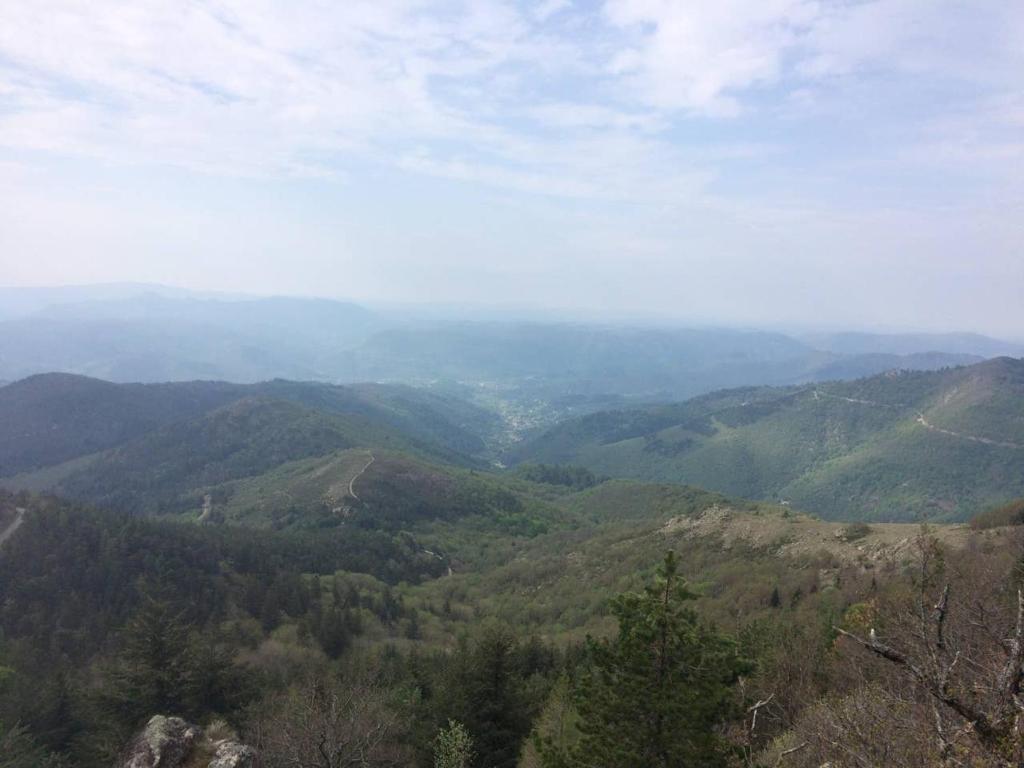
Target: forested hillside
264, 555
52, 418
438, 617
899, 446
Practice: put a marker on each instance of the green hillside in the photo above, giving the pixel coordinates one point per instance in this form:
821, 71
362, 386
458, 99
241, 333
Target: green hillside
899, 446
165, 471
387, 490
53, 418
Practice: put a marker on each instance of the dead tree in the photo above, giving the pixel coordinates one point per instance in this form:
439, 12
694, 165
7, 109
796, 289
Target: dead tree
326, 724
970, 666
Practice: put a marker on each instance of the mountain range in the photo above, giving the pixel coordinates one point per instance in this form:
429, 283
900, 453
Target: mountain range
903, 445
131, 333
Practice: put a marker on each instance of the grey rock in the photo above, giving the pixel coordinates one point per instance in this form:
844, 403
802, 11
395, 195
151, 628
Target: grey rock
170, 742
165, 742
231, 754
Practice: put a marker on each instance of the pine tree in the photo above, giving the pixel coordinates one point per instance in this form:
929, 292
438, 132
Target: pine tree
656, 695
334, 635
495, 707
150, 673
18, 750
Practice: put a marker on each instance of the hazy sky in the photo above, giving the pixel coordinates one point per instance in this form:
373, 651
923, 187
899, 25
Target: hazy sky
856, 163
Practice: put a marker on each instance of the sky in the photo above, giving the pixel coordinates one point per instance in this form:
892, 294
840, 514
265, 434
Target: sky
797, 163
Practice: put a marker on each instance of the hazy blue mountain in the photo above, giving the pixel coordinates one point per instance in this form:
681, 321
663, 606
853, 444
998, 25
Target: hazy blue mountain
140, 333
857, 366
19, 302
153, 338
552, 360
915, 343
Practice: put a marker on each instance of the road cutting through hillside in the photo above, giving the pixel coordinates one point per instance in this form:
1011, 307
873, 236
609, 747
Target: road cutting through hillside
352, 482
920, 419
19, 518
973, 438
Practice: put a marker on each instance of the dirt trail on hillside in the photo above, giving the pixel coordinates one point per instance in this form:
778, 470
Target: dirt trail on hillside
924, 422
818, 394
352, 482
973, 438
15, 524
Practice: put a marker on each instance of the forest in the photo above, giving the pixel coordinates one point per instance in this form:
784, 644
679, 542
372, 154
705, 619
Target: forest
332, 651
334, 576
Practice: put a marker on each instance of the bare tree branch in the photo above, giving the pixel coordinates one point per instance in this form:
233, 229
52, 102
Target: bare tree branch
982, 724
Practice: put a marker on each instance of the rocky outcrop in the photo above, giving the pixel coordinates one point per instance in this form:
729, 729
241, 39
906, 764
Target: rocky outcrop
231, 754
170, 742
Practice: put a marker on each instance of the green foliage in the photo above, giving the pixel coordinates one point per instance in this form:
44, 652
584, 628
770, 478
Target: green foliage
496, 711
577, 478
18, 750
656, 694
1011, 513
163, 667
843, 450
856, 531
53, 418
453, 747
160, 471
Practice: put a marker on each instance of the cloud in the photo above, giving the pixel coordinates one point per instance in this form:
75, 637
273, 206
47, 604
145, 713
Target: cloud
308, 88
684, 133
700, 56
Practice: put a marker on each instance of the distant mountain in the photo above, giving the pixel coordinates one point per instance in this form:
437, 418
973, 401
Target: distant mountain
153, 337
914, 343
19, 302
164, 470
550, 360
141, 333
899, 446
51, 418
856, 366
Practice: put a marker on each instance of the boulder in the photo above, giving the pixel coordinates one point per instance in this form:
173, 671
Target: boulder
165, 742
170, 742
231, 754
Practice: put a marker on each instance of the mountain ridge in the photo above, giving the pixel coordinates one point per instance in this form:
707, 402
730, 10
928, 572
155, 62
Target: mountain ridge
843, 450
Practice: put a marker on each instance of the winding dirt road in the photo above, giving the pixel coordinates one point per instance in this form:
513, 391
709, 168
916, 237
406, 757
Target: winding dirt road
18, 520
925, 423
973, 438
352, 482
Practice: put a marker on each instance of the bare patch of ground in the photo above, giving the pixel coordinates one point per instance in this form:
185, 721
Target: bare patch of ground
797, 535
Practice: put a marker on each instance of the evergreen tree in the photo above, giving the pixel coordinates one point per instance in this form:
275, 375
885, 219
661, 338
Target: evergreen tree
18, 750
213, 683
334, 635
655, 695
496, 711
150, 675
412, 629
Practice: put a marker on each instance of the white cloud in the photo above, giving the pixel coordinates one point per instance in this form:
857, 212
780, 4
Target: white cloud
698, 56
720, 130
545, 9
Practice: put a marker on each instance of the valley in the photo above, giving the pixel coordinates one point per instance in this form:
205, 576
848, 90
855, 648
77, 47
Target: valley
286, 531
